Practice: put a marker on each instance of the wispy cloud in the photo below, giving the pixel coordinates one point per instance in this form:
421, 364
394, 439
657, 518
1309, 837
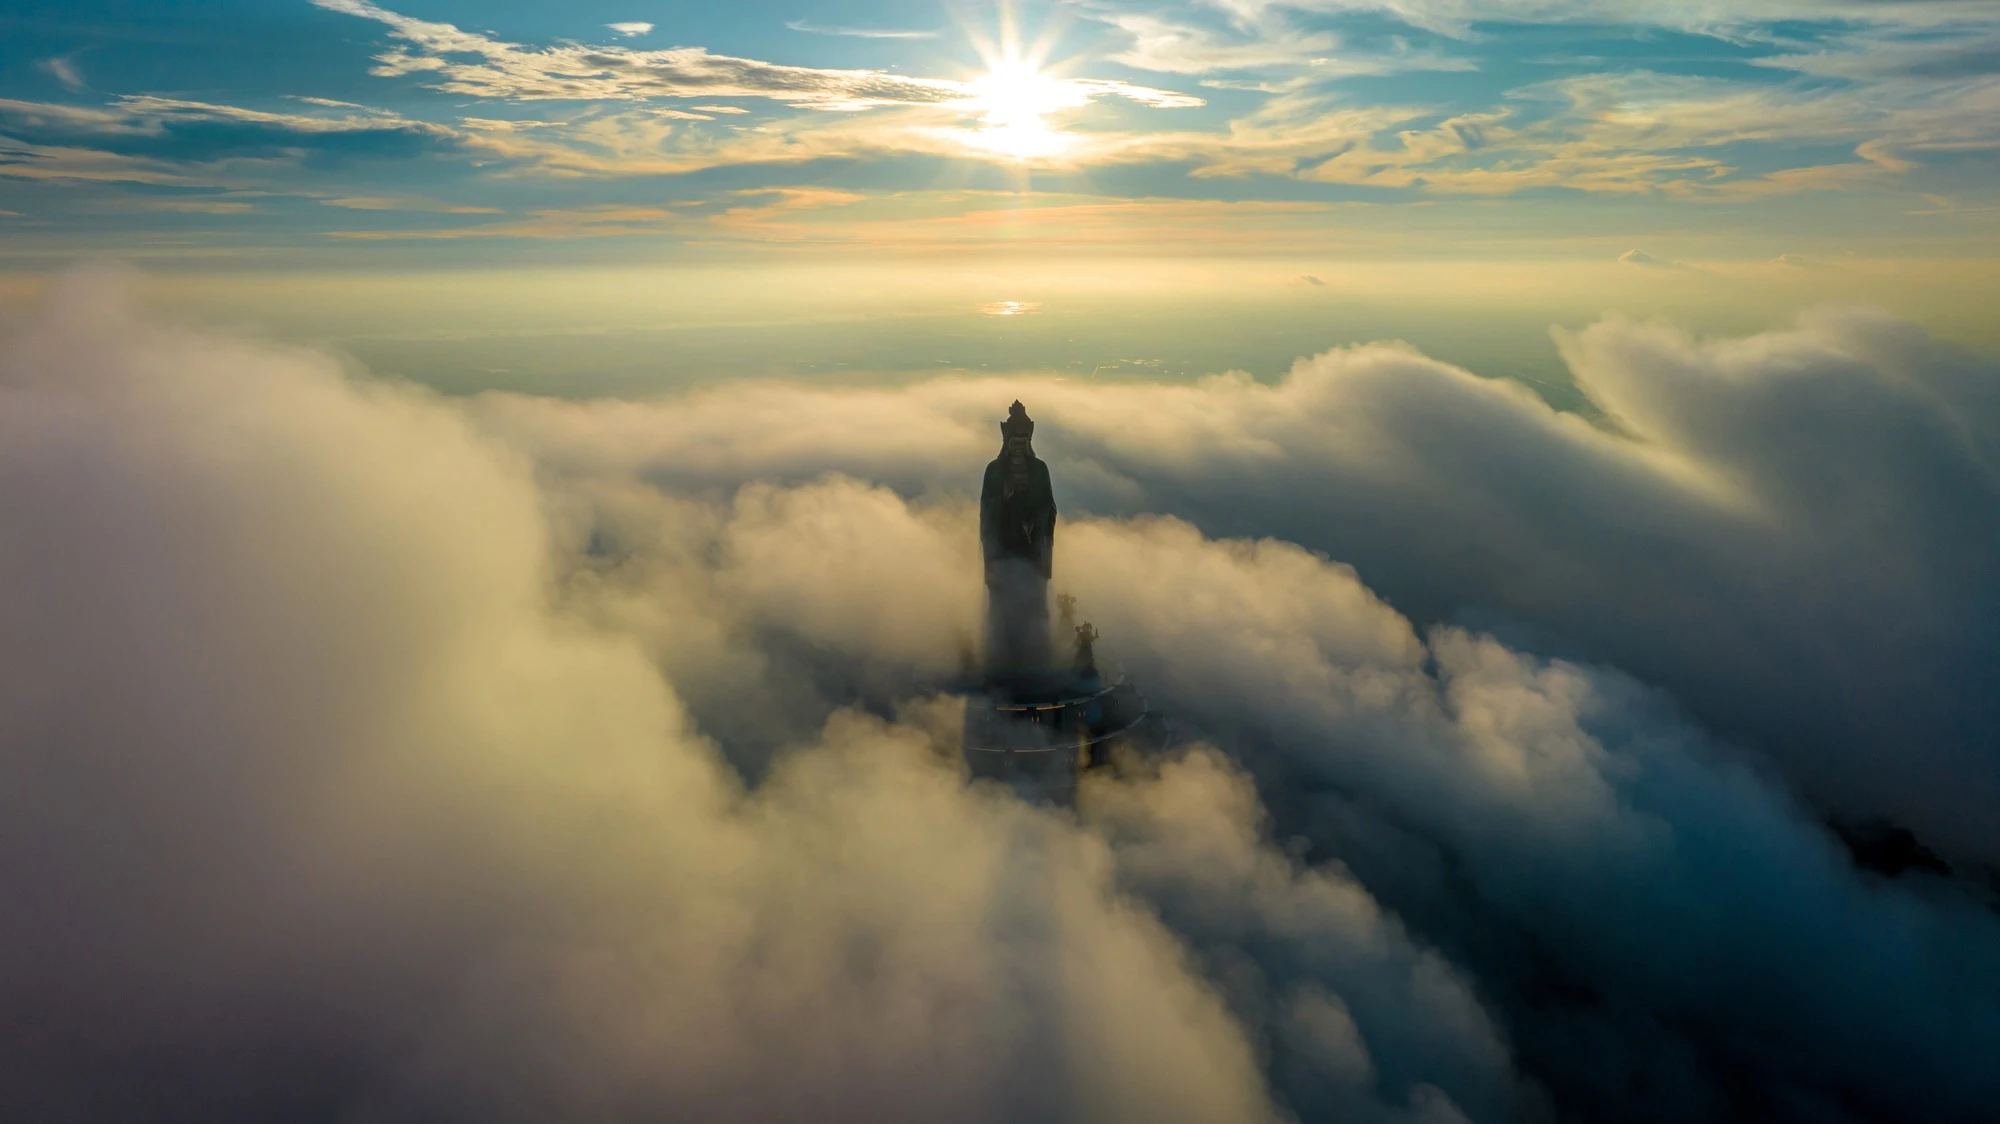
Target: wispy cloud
811, 28
1875, 108
331, 103
404, 203
1144, 95
64, 69
1876, 53
199, 206
146, 115
438, 52
168, 141
915, 114
1168, 46
1261, 42
549, 223
1736, 21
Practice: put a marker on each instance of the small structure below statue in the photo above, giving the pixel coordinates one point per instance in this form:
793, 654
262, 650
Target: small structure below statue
1042, 717
1086, 652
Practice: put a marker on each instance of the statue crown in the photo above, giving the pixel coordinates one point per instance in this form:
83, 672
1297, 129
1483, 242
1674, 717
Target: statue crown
1018, 421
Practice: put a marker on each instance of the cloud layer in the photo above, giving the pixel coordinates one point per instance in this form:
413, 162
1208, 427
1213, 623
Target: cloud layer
376, 756
1789, 530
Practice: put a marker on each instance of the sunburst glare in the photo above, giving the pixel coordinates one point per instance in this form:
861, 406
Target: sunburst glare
1014, 99
1015, 96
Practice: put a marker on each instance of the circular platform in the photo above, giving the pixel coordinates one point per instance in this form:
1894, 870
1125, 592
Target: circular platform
1040, 734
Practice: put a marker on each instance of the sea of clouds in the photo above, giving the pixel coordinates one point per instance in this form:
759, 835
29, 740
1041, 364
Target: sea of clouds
371, 756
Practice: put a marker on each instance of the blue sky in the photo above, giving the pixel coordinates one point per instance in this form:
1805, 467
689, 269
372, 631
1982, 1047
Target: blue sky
428, 131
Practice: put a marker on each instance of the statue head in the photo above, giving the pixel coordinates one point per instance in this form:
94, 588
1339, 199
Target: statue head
1018, 431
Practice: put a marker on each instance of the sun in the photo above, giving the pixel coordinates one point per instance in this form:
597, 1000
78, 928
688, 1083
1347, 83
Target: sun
1013, 99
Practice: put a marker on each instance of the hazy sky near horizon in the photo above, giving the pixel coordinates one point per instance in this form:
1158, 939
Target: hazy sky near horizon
619, 196
426, 132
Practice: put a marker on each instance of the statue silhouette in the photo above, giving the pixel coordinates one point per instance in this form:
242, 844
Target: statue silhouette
1017, 529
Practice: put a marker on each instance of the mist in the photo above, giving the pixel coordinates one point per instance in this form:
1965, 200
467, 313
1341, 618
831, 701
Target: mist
373, 755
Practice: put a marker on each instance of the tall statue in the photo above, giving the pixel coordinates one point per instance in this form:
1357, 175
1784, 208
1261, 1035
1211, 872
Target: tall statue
1017, 528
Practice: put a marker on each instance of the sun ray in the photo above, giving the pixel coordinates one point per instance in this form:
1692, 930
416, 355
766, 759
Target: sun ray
1015, 96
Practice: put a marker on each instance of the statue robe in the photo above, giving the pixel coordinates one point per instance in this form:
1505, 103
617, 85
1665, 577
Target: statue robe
1017, 528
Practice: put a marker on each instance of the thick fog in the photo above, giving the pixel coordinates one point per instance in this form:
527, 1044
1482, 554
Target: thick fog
371, 756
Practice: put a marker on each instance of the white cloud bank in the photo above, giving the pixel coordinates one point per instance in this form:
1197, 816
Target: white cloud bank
369, 757
1793, 531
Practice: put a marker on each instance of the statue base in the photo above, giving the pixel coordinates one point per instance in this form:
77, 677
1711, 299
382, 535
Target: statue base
1040, 732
